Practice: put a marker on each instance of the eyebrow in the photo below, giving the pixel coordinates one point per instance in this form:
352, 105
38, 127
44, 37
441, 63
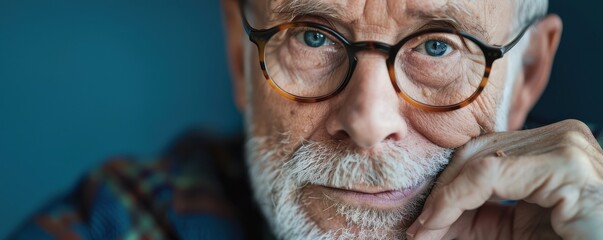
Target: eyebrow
288, 10
449, 17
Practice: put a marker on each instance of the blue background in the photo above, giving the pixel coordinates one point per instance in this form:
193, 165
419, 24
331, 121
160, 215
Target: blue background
85, 80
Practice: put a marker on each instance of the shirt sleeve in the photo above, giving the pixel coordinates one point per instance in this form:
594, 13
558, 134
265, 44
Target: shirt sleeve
125, 199
197, 190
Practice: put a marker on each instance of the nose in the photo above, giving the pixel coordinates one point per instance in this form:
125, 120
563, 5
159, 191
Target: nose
370, 111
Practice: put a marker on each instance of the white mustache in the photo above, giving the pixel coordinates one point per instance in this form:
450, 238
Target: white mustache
393, 166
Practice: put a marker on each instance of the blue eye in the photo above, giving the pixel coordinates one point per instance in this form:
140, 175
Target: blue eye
436, 48
314, 39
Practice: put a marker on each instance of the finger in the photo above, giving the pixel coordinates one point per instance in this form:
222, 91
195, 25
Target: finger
576, 126
432, 235
452, 232
465, 227
540, 179
472, 187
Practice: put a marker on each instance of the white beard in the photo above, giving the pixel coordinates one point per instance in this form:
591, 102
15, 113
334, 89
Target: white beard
277, 177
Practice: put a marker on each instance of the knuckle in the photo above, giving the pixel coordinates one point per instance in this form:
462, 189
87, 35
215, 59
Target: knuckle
482, 168
447, 194
450, 196
571, 137
569, 152
576, 125
574, 158
485, 164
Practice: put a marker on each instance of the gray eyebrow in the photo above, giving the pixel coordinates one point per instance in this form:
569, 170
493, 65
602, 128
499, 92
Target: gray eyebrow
449, 16
287, 10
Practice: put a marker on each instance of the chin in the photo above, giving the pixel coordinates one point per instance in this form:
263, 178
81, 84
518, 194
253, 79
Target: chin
325, 190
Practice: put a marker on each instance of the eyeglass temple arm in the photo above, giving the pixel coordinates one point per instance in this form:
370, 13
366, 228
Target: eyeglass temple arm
246, 25
506, 48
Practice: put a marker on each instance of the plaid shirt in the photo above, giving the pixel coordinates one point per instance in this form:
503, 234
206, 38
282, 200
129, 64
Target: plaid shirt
199, 190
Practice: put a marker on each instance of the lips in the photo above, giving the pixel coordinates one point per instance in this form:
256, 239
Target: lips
373, 198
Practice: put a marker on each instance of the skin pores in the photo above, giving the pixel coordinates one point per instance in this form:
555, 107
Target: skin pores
365, 127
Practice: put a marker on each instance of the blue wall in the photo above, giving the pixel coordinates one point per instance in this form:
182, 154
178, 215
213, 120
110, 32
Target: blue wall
84, 80
575, 89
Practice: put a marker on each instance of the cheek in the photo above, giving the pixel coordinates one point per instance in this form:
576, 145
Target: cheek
449, 130
270, 114
453, 129
267, 113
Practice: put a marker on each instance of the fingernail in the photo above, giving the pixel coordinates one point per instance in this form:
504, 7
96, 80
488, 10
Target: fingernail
425, 215
412, 230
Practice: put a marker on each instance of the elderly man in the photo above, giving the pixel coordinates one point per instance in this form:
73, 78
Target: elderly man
374, 120
358, 106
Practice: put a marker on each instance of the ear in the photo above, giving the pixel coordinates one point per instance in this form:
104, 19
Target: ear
537, 65
233, 31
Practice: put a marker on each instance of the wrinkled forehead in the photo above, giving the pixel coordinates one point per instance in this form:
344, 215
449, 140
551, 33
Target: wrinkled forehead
479, 17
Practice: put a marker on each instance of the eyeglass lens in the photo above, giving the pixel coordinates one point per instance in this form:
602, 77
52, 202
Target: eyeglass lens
436, 69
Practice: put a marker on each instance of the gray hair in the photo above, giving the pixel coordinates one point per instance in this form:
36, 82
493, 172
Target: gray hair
527, 10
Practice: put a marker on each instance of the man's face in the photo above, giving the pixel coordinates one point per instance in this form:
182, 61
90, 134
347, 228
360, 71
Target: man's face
362, 162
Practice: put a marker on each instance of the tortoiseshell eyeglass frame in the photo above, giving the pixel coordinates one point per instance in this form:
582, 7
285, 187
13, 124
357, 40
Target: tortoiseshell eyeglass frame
491, 53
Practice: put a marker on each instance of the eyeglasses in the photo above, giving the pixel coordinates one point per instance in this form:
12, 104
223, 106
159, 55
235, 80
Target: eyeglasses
437, 69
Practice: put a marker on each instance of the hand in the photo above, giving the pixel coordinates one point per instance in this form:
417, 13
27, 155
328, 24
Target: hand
555, 172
